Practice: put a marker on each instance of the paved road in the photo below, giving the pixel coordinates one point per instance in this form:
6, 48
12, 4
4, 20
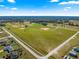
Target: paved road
27, 48
60, 46
50, 53
28, 45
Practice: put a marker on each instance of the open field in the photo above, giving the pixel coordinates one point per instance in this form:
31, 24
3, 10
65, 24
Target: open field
66, 48
42, 38
38, 37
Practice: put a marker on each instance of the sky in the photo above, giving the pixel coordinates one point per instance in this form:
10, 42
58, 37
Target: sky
39, 7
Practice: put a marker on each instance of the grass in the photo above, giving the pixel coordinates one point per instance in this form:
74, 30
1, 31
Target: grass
27, 55
15, 45
3, 35
66, 48
1, 53
41, 40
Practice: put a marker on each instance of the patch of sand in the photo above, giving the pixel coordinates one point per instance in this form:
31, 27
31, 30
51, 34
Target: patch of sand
15, 26
45, 29
22, 28
1, 32
1, 51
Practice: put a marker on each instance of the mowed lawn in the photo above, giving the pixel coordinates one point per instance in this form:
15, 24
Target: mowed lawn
42, 40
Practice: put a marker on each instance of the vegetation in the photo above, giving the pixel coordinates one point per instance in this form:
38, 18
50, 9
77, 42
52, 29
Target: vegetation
68, 47
41, 40
22, 53
40, 35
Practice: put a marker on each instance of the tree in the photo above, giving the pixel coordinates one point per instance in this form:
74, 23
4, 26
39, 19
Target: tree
26, 26
44, 24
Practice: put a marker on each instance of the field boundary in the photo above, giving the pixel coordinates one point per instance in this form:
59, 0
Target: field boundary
28, 45
22, 44
61, 45
33, 51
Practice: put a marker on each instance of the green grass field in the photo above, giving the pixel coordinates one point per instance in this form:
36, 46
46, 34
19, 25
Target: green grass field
41, 40
3, 34
66, 48
1, 53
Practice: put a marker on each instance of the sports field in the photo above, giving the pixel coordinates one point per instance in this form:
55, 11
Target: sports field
42, 38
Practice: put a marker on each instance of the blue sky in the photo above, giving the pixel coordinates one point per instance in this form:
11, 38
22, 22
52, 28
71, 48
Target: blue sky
39, 7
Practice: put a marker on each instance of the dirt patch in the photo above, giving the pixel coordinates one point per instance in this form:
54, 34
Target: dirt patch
1, 51
22, 28
45, 29
15, 26
1, 32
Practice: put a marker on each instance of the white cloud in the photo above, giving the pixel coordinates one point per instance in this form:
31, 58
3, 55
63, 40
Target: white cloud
13, 9
54, 0
69, 2
2, 6
11, 1
67, 8
33, 11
